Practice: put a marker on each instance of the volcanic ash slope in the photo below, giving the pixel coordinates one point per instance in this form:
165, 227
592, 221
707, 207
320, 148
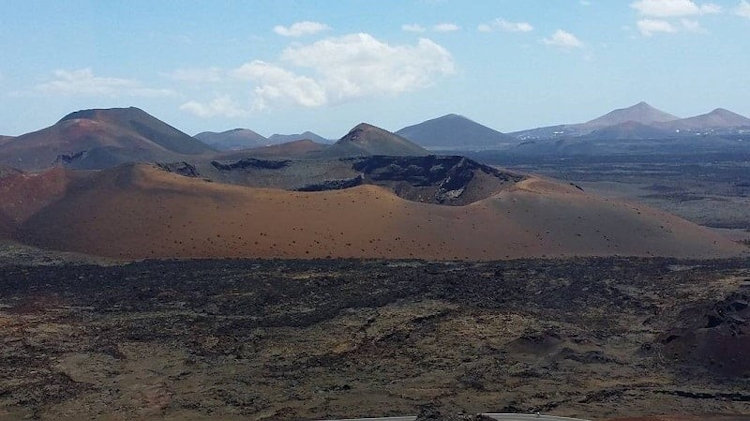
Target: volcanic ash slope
140, 211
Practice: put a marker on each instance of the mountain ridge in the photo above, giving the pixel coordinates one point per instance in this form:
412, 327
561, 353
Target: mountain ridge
277, 138
641, 113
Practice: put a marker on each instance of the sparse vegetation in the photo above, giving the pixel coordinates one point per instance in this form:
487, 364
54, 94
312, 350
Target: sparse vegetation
332, 338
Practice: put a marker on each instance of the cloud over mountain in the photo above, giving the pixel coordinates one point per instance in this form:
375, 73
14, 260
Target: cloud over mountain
359, 65
332, 70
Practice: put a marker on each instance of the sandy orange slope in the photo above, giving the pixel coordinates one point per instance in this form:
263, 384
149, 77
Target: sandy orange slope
139, 211
23, 194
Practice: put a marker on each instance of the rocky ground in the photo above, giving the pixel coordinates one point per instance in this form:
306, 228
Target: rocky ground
243, 339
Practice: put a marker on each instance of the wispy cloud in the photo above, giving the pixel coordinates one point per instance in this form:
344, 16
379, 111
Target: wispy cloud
690, 25
671, 16
197, 75
299, 29
413, 27
503, 25
743, 9
446, 27
223, 106
563, 39
83, 82
649, 27
674, 8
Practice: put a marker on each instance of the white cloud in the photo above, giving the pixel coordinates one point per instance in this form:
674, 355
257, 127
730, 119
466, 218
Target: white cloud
673, 8
223, 106
648, 27
743, 9
277, 85
299, 29
663, 16
359, 65
446, 27
206, 75
563, 39
84, 82
505, 26
413, 27
332, 71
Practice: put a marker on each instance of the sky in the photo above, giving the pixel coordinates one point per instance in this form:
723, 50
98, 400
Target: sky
286, 66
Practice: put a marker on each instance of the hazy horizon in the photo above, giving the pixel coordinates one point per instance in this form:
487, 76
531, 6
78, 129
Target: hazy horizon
291, 66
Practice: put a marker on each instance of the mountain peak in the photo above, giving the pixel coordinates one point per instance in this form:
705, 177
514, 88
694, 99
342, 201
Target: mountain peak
641, 112
277, 138
724, 112
365, 132
719, 118
454, 131
233, 139
366, 139
101, 138
104, 113
364, 126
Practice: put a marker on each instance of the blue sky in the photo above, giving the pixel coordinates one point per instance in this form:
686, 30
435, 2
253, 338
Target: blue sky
284, 66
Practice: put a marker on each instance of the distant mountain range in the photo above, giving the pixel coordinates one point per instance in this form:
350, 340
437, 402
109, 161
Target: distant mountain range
638, 122
239, 139
641, 121
103, 138
717, 119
